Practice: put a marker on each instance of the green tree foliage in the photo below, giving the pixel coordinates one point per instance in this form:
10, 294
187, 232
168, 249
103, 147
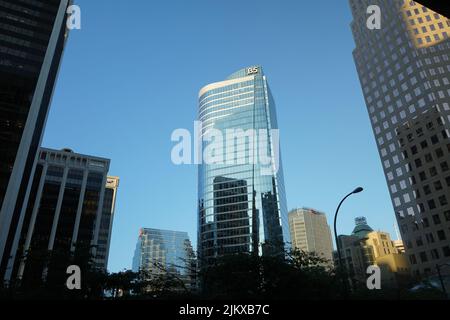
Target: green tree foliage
300, 275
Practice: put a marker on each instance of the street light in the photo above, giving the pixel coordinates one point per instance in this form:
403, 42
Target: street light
438, 268
344, 280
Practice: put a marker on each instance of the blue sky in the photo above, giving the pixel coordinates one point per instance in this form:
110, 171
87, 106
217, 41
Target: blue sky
131, 76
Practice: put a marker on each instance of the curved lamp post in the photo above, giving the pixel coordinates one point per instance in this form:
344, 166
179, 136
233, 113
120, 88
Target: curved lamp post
344, 280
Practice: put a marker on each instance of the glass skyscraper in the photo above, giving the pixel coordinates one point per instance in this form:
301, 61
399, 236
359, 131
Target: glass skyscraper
404, 70
160, 252
241, 206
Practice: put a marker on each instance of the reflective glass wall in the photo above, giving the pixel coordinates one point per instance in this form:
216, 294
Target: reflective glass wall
160, 252
241, 206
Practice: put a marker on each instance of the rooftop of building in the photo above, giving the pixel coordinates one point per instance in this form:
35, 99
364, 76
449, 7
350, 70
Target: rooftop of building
362, 229
306, 209
162, 231
235, 77
72, 153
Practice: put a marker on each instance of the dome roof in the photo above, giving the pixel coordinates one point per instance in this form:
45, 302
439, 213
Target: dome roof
362, 228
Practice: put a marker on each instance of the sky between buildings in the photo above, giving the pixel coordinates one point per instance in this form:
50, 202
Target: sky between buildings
132, 74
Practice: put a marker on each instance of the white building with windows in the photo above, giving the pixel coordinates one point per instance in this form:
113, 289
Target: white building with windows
404, 70
310, 232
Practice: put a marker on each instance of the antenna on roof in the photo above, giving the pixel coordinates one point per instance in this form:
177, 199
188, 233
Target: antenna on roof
397, 233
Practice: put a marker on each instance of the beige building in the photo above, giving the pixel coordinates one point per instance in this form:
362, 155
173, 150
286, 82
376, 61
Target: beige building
392, 262
367, 247
381, 243
310, 232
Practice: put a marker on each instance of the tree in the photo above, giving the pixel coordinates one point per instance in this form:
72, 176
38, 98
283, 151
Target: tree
296, 275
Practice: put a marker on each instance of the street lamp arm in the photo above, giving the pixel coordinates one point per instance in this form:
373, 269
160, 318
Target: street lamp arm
338, 247
335, 218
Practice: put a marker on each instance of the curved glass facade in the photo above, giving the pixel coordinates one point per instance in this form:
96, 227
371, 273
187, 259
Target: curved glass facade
241, 207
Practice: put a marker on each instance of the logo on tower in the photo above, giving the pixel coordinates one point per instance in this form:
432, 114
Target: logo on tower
252, 70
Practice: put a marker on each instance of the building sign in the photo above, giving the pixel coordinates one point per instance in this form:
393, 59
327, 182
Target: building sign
252, 70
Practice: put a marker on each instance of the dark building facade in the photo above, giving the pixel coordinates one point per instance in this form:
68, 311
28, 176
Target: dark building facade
67, 219
238, 231
32, 38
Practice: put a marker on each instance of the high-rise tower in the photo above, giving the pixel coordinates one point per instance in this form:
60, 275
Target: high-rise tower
241, 199
404, 70
32, 37
310, 232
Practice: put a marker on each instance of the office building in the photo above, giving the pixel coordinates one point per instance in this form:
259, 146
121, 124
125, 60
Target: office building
106, 223
355, 254
404, 70
310, 232
365, 247
165, 253
241, 203
68, 217
32, 38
